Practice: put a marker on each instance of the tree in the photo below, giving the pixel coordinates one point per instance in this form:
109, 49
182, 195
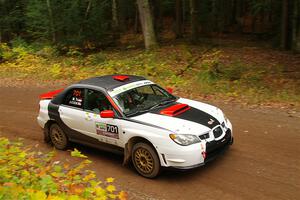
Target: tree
284, 24
179, 19
52, 28
146, 18
194, 20
296, 26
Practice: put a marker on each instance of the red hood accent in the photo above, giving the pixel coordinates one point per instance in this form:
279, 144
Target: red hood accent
50, 95
175, 110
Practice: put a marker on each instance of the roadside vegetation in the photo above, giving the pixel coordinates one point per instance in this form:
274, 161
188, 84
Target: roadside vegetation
247, 74
27, 174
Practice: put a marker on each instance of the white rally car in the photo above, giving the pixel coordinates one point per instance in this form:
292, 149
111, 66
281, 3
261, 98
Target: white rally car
138, 118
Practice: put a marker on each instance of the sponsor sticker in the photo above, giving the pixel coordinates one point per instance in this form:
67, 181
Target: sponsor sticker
129, 86
107, 130
76, 98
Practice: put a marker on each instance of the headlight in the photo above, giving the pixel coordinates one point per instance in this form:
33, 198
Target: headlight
184, 140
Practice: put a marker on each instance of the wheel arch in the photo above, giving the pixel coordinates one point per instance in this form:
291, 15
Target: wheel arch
47, 130
129, 146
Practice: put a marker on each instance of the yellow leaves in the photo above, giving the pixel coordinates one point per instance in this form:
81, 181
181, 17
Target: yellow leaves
56, 174
123, 195
111, 188
66, 166
77, 189
9, 184
89, 177
78, 154
39, 195
50, 197
100, 191
110, 180
55, 70
42, 177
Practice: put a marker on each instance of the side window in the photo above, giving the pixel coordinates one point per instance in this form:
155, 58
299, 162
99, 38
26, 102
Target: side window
96, 101
157, 91
75, 98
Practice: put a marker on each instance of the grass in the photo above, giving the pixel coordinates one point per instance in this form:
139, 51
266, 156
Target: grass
226, 73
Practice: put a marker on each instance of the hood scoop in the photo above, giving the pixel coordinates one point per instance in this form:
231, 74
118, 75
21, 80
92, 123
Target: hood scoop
175, 110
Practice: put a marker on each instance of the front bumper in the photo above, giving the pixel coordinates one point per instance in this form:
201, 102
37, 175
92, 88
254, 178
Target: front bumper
194, 158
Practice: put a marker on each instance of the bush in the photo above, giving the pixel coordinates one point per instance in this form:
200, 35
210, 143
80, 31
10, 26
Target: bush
26, 174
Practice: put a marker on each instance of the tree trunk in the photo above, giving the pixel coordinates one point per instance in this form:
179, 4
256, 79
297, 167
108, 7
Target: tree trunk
146, 18
86, 14
296, 26
178, 11
136, 20
115, 19
284, 25
194, 24
52, 28
121, 15
157, 10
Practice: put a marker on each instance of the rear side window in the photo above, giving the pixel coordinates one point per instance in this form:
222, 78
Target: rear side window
74, 98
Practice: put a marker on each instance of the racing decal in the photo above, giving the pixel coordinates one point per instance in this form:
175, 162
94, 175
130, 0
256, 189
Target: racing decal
211, 121
88, 117
107, 130
194, 115
76, 98
199, 117
129, 86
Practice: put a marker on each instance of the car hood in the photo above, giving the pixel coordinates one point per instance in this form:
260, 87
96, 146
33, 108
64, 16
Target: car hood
198, 119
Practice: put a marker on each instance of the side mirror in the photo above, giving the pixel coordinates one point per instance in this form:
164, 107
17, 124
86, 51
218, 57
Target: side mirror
107, 114
170, 90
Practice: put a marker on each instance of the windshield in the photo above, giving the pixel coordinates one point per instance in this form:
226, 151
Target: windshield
143, 99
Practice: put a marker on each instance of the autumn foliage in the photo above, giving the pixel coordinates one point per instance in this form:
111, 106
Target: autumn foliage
27, 174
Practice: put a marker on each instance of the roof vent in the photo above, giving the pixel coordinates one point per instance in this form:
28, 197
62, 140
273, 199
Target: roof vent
121, 78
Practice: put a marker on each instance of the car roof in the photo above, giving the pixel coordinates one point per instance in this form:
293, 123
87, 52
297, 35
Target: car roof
109, 82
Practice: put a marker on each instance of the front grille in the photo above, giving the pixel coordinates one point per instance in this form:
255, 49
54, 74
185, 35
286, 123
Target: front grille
204, 136
214, 148
217, 132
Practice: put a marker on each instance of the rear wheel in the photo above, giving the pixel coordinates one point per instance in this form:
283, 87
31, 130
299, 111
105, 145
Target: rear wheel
58, 137
145, 160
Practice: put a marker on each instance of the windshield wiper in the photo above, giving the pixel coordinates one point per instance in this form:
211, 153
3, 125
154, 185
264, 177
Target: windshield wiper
165, 102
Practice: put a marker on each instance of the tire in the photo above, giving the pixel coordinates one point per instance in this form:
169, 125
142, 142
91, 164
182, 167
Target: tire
145, 160
58, 137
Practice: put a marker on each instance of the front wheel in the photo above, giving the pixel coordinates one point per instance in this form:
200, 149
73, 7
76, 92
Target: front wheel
145, 160
58, 137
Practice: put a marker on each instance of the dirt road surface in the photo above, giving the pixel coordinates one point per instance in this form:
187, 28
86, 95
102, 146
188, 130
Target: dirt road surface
263, 163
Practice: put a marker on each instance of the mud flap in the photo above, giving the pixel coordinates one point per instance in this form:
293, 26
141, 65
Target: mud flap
46, 133
127, 153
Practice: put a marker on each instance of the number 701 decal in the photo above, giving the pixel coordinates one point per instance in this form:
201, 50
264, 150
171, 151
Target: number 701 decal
107, 130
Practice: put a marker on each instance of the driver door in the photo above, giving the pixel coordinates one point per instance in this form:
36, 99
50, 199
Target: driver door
106, 130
